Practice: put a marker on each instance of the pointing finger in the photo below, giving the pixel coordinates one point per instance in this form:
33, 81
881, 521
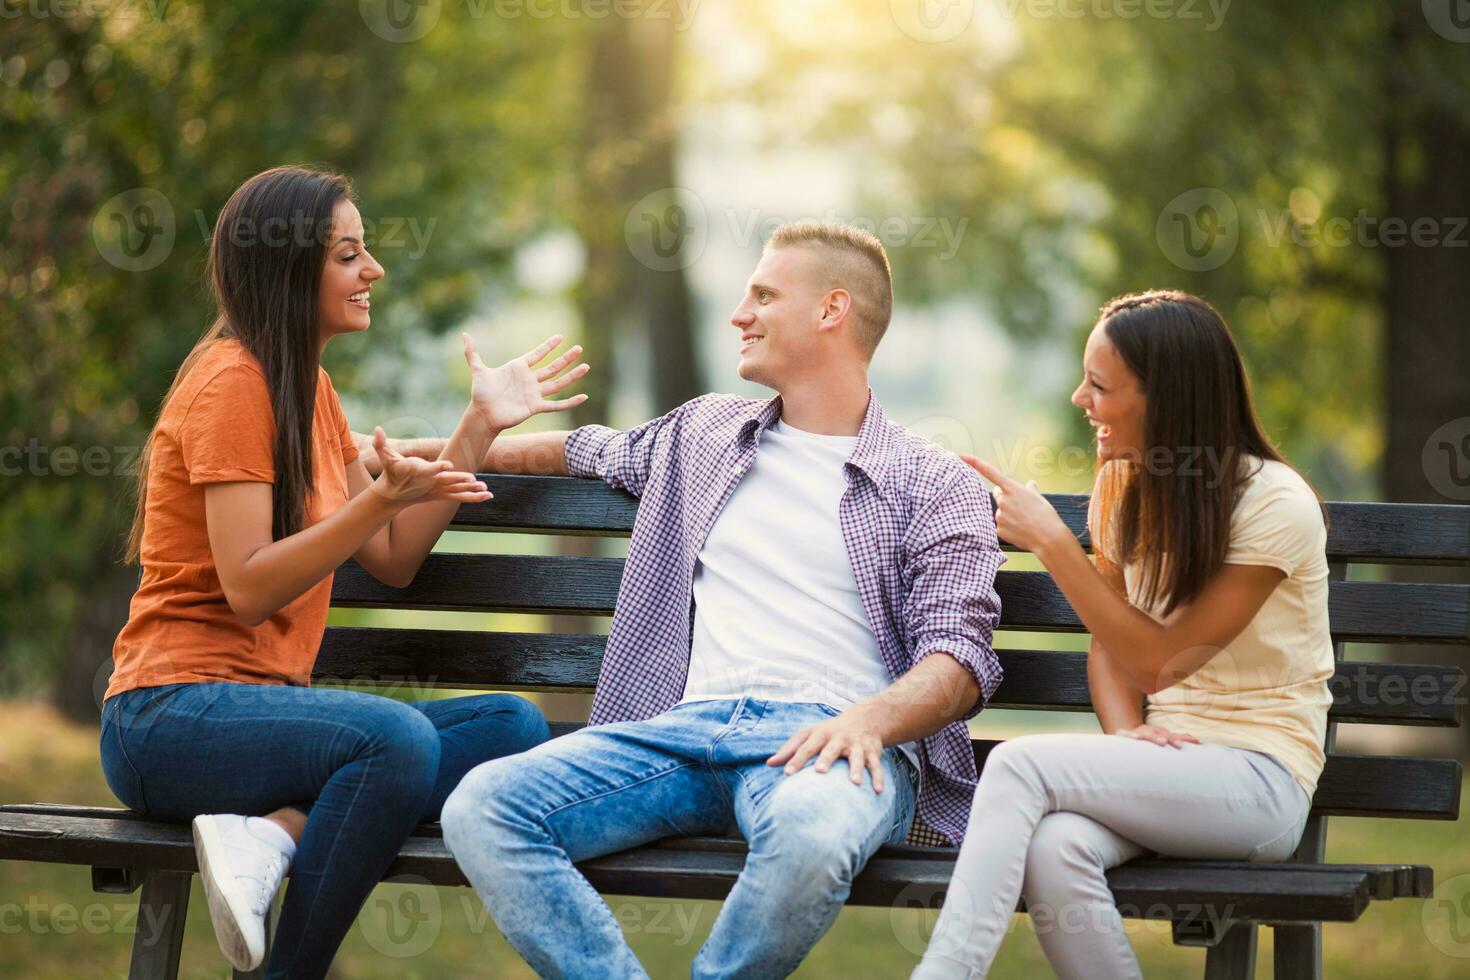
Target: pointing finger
989, 472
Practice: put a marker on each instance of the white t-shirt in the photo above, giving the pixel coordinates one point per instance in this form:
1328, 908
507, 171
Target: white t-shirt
777, 614
1267, 690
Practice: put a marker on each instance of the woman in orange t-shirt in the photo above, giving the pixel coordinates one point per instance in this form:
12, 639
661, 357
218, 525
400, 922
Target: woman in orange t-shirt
250, 496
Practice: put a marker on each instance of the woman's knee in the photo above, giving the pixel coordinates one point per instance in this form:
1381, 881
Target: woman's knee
1063, 859
522, 725
404, 740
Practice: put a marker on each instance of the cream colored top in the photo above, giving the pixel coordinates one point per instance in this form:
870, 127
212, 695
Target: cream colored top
1267, 689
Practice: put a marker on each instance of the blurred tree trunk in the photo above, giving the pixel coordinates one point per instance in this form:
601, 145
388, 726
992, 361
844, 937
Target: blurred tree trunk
629, 144
102, 609
664, 295
1427, 294
1427, 287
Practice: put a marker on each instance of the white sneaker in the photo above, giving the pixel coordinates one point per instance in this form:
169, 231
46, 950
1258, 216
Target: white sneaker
241, 874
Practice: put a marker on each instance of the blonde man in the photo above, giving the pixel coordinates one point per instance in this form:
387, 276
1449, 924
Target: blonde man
804, 625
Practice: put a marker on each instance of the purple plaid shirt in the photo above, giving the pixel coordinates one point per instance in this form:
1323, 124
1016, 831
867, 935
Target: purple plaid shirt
920, 536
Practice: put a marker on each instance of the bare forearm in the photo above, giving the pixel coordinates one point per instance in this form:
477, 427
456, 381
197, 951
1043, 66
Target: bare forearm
1116, 701
531, 454
1117, 624
282, 571
937, 691
413, 533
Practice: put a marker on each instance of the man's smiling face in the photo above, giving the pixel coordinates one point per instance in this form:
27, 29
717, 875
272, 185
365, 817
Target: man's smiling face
777, 319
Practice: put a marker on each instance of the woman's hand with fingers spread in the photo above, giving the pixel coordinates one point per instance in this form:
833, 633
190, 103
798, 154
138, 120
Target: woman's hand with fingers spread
1157, 735
407, 480
508, 395
1023, 516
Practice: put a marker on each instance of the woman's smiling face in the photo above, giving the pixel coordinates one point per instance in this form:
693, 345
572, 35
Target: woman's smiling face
347, 276
1112, 396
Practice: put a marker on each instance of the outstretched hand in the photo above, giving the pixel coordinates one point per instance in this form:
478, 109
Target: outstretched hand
408, 480
508, 395
1023, 516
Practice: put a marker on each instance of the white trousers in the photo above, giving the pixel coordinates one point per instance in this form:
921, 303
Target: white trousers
1053, 812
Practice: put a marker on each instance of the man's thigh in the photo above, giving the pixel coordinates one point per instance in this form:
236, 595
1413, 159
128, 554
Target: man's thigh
605, 789
771, 804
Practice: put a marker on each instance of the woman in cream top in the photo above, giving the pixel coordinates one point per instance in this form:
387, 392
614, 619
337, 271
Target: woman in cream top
1209, 659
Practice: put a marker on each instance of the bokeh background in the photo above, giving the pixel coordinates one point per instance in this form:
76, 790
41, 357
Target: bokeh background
608, 169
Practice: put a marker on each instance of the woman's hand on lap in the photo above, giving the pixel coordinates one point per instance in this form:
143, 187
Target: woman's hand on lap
1157, 735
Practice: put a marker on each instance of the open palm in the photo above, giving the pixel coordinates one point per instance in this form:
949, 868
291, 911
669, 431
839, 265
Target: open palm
508, 395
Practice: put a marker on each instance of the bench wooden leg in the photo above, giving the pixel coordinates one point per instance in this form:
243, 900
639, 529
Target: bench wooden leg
1298, 952
160, 930
1234, 956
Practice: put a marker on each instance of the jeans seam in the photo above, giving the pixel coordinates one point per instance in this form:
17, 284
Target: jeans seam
128, 761
606, 793
1290, 831
709, 752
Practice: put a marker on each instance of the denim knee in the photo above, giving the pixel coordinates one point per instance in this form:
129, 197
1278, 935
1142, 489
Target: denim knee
408, 744
525, 725
468, 809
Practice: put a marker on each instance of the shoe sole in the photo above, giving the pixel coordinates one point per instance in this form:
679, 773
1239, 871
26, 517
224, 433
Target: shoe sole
226, 925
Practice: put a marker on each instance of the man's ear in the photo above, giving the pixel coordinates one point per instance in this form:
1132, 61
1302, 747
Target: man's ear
836, 307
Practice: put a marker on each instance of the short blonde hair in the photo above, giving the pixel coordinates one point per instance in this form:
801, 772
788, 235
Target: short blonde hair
853, 260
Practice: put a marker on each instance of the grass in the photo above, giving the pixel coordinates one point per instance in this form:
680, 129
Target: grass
53, 925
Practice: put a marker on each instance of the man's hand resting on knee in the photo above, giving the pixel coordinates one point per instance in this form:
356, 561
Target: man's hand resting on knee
937, 691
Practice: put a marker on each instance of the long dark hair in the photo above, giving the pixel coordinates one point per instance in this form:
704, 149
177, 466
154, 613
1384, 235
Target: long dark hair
265, 267
1169, 510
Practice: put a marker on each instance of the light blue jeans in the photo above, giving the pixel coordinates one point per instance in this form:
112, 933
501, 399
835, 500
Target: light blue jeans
516, 826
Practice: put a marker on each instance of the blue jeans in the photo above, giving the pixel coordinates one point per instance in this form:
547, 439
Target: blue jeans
367, 769
517, 825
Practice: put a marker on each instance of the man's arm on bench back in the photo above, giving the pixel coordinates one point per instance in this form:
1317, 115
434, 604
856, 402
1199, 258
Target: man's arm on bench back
529, 454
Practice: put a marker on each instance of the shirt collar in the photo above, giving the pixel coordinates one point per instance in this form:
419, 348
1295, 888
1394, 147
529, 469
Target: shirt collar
872, 453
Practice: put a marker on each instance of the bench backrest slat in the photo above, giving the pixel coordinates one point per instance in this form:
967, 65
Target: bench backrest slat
1377, 693
1359, 611
1367, 533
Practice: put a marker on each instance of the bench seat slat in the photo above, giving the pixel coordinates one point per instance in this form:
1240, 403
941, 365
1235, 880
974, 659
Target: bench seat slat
1378, 693
1350, 786
1359, 611
1358, 532
693, 869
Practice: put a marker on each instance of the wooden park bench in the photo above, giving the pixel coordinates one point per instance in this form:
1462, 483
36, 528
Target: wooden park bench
1210, 903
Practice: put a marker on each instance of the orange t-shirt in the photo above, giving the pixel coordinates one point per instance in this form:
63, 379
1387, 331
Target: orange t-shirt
219, 428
